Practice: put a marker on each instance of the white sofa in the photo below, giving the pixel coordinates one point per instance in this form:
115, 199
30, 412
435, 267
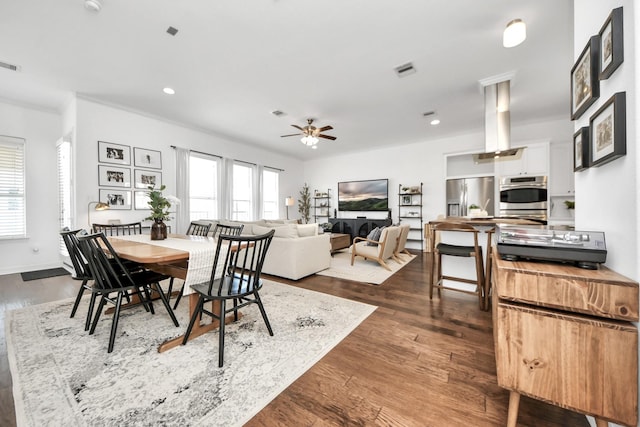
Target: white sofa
296, 251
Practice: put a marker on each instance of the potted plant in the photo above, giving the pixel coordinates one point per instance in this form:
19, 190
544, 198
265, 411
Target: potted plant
159, 205
304, 203
571, 205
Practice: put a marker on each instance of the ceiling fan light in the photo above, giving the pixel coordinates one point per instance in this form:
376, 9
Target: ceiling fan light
515, 33
309, 140
93, 5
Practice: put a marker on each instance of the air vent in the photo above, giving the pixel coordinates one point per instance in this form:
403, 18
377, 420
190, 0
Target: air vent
172, 31
277, 113
9, 66
405, 69
428, 113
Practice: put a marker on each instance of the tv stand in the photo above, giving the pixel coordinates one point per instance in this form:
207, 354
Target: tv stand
357, 227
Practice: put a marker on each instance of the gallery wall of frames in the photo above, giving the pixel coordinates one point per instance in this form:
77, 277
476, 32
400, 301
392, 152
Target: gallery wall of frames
124, 180
604, 140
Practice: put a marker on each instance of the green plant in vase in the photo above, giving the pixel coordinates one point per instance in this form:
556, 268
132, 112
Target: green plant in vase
159, 206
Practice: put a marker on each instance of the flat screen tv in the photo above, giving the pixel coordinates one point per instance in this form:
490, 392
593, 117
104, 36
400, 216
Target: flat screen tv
370, 195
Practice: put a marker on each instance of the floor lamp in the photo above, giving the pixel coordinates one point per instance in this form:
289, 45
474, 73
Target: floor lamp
289, 201
99, 207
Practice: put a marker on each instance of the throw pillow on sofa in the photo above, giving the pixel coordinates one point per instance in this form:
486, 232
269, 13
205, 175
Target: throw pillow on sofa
307, 230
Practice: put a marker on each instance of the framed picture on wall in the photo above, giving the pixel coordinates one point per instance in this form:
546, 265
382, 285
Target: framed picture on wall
114, 176
108, 152
611, 44
585, 85
115, 198
607, 128
581, 149
145, 178
141, 200
147, 158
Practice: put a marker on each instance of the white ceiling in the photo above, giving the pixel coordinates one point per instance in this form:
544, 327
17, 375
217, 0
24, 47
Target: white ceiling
234, 61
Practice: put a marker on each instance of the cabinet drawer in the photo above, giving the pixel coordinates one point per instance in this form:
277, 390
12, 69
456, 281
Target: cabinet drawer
601, 292
577, 362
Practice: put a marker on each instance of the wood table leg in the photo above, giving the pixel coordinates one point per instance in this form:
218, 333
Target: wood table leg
514, 403
198, 327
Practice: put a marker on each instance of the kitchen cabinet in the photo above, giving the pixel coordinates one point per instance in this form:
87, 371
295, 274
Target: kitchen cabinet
533, 160
561, 179
564, 335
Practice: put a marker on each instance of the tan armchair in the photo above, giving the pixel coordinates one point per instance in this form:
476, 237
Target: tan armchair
402, 242
384, 249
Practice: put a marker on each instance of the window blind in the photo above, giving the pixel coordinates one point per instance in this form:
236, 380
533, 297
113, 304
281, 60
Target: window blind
12, 188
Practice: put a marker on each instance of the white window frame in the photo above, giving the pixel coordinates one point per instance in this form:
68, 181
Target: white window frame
275, 202
246, 214
13, 186
216, 196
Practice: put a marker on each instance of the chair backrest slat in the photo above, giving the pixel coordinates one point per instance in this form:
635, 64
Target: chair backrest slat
228, 230
118, 229
108, 271
79, 263
244, 256
198, 228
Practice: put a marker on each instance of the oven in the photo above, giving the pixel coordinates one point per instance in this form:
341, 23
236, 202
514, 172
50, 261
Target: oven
524, 197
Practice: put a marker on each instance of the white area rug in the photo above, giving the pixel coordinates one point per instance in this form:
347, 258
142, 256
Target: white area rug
63, 376
362, 270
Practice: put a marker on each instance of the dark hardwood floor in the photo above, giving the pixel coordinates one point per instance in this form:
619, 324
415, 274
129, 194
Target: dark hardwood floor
413, 362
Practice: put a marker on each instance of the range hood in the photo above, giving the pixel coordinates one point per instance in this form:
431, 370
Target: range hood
497, 123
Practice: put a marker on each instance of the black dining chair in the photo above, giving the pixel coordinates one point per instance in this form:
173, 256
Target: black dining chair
80, 267
235, 276
198, 228
113, 281
118, 229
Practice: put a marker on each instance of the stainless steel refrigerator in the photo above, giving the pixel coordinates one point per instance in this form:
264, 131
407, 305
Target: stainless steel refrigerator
461, 193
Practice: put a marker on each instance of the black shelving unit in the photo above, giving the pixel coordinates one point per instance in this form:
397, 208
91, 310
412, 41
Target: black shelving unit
321, 205
410, 211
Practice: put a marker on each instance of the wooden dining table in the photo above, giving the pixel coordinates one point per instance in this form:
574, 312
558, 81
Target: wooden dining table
172, 262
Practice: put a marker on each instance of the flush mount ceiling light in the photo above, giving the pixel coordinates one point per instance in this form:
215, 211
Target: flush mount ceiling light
169, 91
93, 5
515, 33
435, 122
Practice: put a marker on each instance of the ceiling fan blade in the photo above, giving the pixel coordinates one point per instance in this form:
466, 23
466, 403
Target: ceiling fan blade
322, 129
293, 134
298, 127
327, 137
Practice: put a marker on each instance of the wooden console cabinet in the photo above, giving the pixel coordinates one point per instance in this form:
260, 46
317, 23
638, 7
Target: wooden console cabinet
357, 227
564, 335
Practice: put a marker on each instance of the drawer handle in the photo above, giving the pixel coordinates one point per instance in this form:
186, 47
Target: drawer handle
533, 364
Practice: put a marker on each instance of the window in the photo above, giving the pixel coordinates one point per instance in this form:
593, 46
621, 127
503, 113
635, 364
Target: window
65, 211
12, 197
242, 200
203, 186
270, 182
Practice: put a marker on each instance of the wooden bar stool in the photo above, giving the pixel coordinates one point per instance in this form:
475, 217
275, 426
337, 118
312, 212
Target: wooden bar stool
474, 251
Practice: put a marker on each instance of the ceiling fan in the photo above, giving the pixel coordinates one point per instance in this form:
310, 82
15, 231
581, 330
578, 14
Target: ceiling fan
310, 133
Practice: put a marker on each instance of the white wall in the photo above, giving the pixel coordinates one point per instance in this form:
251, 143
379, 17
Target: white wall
88, 122
98, 122
414, 163
607, 197
41, 129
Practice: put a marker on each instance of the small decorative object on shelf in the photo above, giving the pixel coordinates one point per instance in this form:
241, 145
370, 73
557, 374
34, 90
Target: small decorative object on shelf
160, 206
410, 210
321, 206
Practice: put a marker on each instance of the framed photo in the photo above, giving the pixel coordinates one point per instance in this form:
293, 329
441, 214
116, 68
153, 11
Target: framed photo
147, 158
144, 178
581, 149
406, 200
114, 176
611, 44
115, 198
607, 128
141, 200
585, 85
108, 152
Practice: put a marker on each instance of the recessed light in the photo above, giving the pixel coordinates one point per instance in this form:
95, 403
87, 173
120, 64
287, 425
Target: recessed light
435, 122
168, 91
314, 147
